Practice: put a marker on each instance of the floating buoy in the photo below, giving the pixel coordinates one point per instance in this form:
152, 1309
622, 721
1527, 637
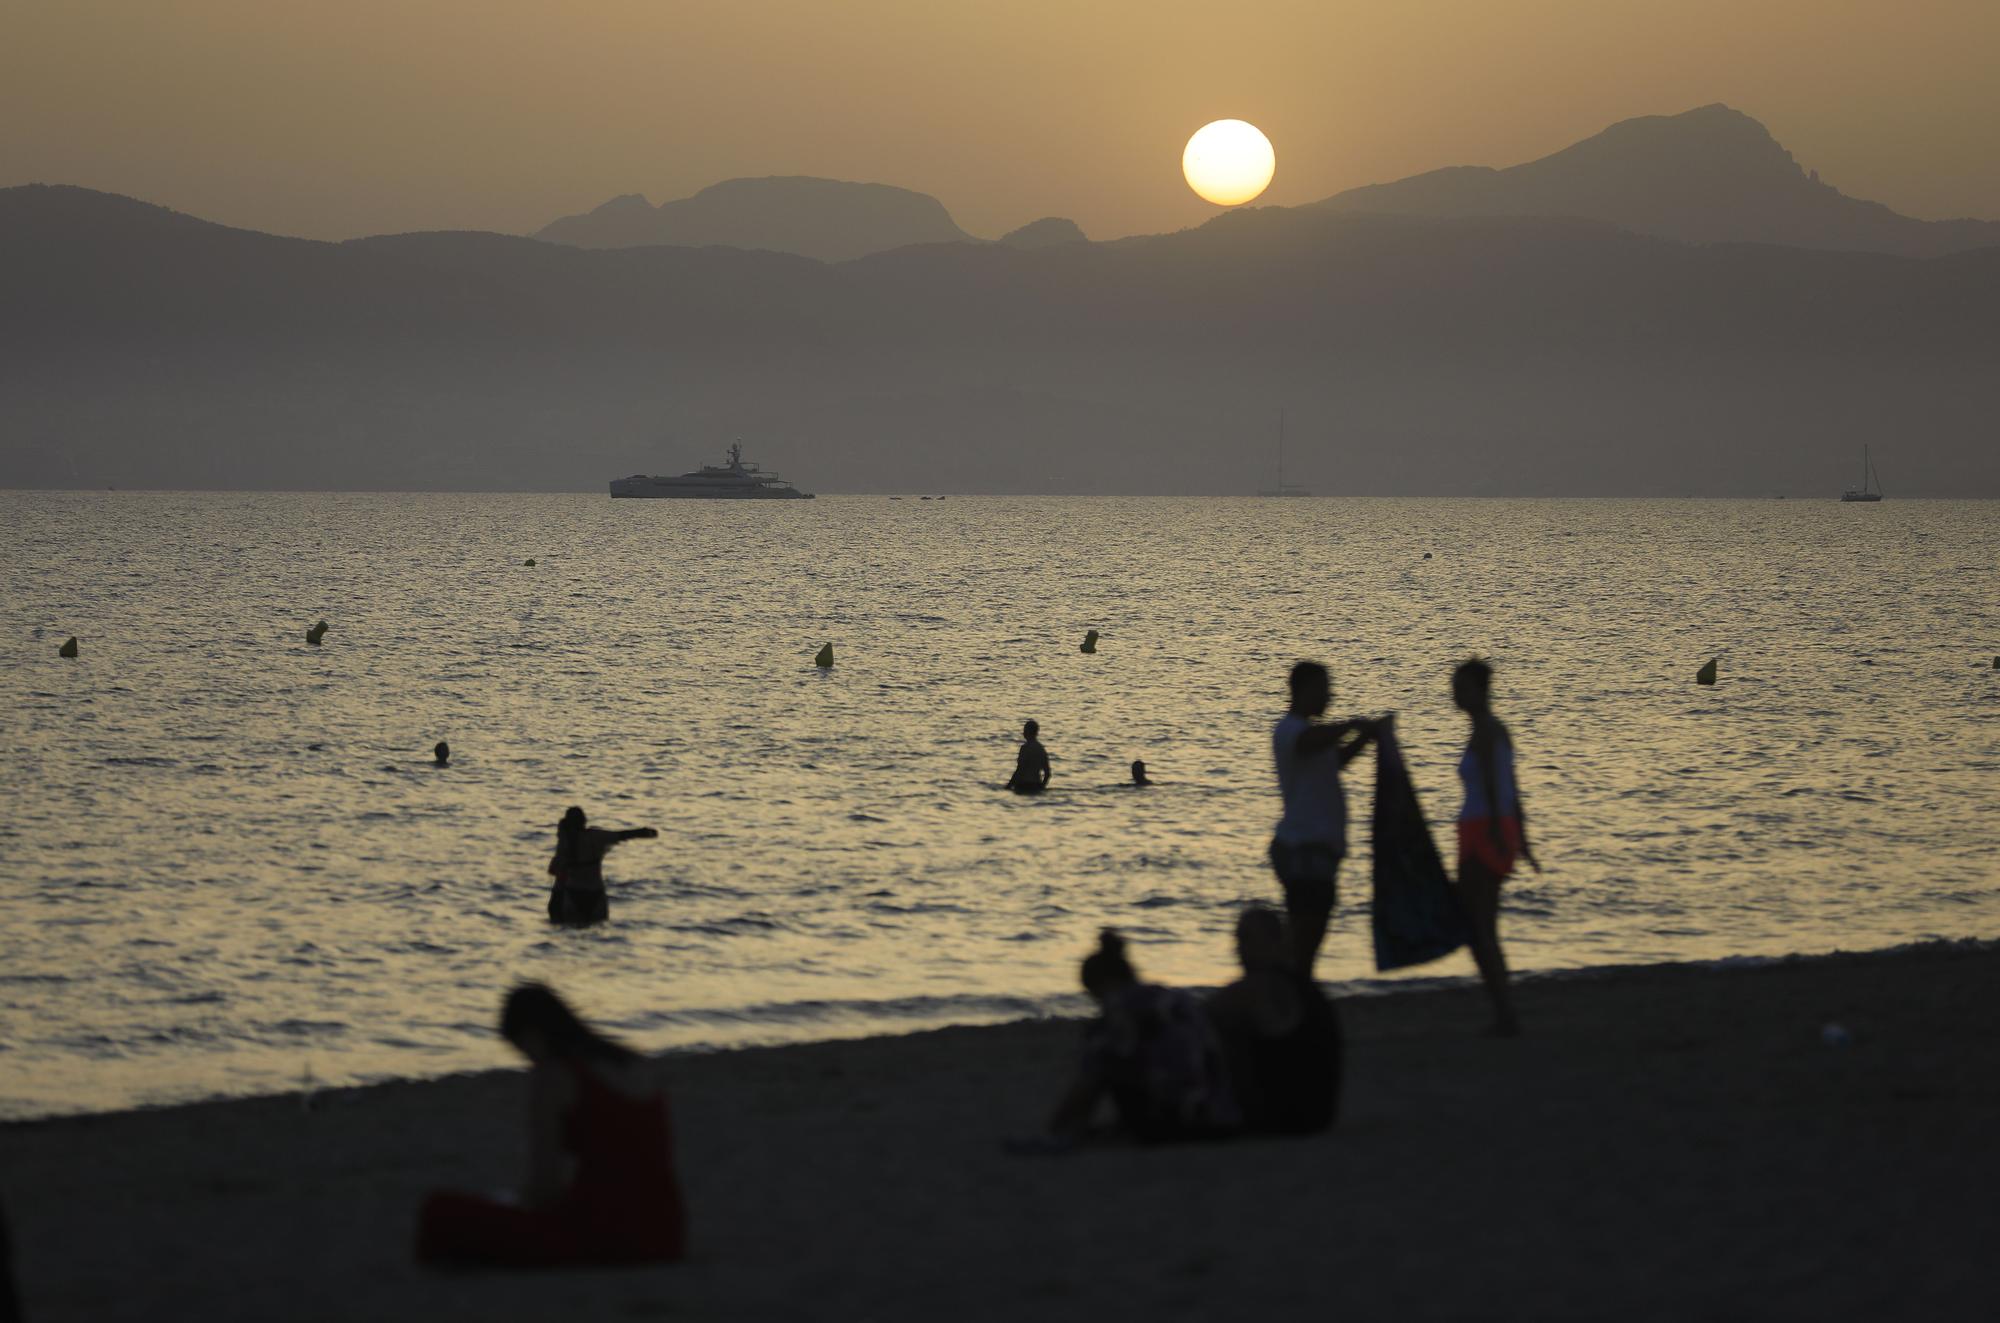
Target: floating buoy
316, 633
529, 561
824, 658
442, 753
1427, 555
1996, 660
1706, 675
1089, 642
69, 649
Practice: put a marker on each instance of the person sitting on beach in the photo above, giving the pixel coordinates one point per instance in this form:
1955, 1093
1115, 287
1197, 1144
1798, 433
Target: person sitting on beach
1152, 1052
601, 1185
1031, 764
1492, 832
1280, 1034
1139, 772
1311, 837
578, 868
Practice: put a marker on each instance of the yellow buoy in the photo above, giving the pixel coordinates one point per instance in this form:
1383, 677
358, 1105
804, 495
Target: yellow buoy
824, 659
1089, 642
316, 633
1706, 675
69, 649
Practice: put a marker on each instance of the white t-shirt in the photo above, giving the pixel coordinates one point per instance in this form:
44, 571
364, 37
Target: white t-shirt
1315, 804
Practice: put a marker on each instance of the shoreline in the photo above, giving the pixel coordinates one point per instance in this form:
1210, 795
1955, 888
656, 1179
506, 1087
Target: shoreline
1067, 1008
1668, 1141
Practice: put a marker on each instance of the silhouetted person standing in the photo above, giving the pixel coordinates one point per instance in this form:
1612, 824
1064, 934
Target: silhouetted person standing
1031, 764
1311, 838
1492, 832
578, 868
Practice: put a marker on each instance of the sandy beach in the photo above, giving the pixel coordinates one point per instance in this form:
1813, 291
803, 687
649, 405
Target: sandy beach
1667, 1143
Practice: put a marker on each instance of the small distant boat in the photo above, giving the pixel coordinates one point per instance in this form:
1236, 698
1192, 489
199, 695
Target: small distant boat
1283, 488
734, 481
1871, 486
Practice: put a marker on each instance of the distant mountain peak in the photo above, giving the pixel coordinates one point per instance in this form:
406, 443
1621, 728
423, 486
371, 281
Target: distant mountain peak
833, 220
1048, 232
1712, 174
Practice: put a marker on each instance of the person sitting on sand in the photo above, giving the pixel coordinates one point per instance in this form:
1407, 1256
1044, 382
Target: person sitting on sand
578, 868
1139, 777
1280, 1034
601, 1184
1492, 832
1031, 764
1311, 837
1152, 1052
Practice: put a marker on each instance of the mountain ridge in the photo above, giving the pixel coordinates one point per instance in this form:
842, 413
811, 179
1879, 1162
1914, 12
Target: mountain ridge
1509, 355
831, 220
1708, 175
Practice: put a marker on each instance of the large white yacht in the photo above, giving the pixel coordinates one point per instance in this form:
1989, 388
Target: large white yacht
734, 481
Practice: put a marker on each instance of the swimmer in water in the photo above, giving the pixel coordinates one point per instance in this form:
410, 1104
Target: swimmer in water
578, 868
442, 753
1031, 764
1139, 777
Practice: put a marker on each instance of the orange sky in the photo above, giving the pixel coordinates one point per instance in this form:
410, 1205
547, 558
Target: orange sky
364, 116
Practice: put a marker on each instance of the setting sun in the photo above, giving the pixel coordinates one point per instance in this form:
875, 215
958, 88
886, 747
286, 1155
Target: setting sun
1228, 162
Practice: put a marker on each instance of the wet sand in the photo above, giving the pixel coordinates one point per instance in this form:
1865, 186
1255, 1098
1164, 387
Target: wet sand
1667, 1143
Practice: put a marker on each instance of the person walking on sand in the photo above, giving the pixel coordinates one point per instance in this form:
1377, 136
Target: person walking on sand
1492, 832
601, 1184
1031, 764
1311, 837
578, 868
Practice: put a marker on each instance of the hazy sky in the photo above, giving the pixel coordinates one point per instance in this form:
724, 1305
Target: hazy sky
332, 118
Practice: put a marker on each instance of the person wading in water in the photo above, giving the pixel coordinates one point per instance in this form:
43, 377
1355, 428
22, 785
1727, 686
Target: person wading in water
1031, 763
578, 868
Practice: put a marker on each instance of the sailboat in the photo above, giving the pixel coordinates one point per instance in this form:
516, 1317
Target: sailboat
1283, 488
1865, 492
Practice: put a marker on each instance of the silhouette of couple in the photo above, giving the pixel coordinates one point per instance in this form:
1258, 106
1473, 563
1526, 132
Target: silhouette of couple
1311, 838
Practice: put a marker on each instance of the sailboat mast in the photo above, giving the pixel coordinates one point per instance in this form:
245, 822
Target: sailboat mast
1281, 450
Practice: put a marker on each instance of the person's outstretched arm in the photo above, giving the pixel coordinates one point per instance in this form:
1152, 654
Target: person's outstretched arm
639, 834
1318, 739
1364, 735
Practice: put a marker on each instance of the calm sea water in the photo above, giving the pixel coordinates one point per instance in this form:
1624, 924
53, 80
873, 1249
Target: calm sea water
229, 866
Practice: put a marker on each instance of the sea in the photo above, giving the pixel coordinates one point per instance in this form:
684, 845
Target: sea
228, 865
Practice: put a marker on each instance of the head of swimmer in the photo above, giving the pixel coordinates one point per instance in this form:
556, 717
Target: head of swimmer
1472, 686
1031, 731
1312, 690
1139, 772
1106, 969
